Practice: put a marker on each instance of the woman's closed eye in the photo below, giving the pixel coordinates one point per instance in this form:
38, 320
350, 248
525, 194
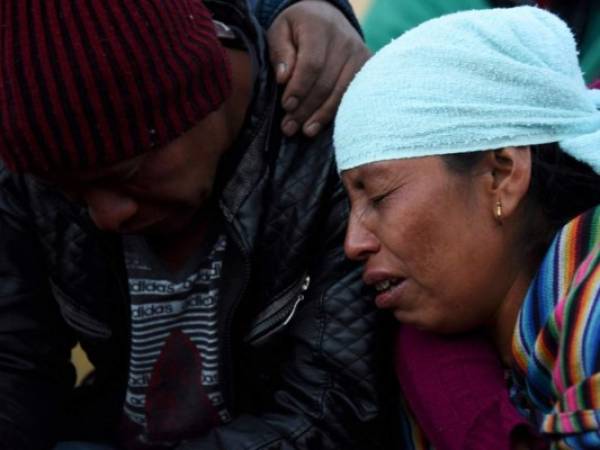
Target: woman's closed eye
377, 200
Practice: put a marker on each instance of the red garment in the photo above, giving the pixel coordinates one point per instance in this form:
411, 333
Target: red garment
456, 388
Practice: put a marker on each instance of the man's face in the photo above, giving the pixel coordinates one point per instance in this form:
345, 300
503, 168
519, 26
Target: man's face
158, 192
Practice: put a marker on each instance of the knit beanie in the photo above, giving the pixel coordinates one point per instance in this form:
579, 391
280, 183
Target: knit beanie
471, 81
88, 83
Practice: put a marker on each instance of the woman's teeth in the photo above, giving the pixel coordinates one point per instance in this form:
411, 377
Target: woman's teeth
387, 284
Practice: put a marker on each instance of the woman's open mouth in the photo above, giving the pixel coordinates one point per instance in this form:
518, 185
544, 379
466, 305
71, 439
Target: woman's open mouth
388, 292
385, 285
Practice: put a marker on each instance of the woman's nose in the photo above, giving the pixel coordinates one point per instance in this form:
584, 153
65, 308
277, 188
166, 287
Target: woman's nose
109, 209
359, 242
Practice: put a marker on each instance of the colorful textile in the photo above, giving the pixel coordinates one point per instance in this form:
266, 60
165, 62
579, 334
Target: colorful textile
557, 340
471, 81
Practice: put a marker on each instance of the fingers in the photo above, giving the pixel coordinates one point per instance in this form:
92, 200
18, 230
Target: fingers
320, 103
327, 110
310, 84
316, 51
313, 95
282, 49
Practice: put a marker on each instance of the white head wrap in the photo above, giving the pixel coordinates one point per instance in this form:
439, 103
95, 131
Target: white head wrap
470, 81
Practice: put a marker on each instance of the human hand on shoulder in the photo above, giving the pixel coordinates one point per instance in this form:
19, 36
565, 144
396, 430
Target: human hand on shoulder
316, 51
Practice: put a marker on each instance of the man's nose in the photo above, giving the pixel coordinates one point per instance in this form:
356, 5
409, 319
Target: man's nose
359, 242
109, 209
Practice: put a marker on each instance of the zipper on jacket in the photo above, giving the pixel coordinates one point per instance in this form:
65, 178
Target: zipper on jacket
300, 298
279, 314
227, 344
114, 258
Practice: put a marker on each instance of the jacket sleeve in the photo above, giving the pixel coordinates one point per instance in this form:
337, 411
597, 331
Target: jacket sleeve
35, 373
267, 10
327, 393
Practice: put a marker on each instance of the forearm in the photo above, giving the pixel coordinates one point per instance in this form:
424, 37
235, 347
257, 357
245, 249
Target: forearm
29, 412
35, 374
11, 438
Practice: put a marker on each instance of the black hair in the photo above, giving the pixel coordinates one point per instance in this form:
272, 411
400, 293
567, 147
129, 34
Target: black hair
561, 188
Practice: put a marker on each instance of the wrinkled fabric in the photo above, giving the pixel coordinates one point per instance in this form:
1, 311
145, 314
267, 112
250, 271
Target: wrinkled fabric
471, 81
455, 386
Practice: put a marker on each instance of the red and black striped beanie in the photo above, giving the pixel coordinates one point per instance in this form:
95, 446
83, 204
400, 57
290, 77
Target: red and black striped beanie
87, 83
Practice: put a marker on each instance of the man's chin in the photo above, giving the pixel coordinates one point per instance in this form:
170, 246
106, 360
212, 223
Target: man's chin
176, 224
161, 227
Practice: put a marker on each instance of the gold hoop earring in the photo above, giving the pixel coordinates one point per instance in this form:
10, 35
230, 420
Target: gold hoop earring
498, 210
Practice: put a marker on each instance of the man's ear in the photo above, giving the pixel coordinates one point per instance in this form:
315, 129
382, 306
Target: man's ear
509, 171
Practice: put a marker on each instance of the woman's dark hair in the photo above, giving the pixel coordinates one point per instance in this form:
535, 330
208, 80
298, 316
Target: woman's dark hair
561, 188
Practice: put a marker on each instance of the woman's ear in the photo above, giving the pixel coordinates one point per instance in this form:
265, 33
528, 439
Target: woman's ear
509, 172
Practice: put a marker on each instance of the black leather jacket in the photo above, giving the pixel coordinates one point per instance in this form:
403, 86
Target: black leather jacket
298, 330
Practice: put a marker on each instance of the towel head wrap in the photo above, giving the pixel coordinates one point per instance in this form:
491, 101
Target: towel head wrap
471, 81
